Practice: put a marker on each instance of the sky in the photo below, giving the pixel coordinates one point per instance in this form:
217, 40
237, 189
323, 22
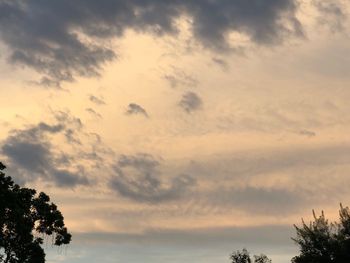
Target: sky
177, 131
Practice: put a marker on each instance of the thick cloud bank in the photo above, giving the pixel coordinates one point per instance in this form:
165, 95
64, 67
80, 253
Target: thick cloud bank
62, 39
31, 155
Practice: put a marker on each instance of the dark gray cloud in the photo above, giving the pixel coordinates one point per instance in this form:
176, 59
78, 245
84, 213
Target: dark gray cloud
134, 108
26, 147
190, 102
34, 157
64, 178
31, 156
138, 178
97, 100
62, 39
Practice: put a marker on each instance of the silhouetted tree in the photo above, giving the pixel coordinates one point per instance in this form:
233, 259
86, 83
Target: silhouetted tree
240, 257
244, 257
324, 242
25, 218
262, 259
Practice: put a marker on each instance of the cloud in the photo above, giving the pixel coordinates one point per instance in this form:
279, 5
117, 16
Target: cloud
190, 102
31, 156
277, 182
64, 178
265, 22
134, 109
96, 100
180, 78
260, 200
221, 63
64, 39
94, 113
253, 163
138, 178
307, 133
332, 14
292, 118
34, 157
275, 235
73, 125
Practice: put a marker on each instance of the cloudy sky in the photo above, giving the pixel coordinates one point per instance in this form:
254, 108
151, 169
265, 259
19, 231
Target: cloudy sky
177, 131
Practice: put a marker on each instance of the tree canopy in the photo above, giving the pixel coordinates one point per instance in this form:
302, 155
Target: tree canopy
244, 257
319, 241
25, 218
323, 242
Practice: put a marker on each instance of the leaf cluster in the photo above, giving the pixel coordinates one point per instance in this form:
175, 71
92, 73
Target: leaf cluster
244, 257
25, 218
323, 242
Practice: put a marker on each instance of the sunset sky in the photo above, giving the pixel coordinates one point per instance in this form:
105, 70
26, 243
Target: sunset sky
177, 130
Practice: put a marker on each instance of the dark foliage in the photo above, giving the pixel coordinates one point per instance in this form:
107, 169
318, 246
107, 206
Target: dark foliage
25, 218
324, 242
244, 257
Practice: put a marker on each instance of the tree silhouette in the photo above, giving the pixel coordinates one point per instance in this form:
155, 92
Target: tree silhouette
324, 242
262, 259
244, 257
25, 218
